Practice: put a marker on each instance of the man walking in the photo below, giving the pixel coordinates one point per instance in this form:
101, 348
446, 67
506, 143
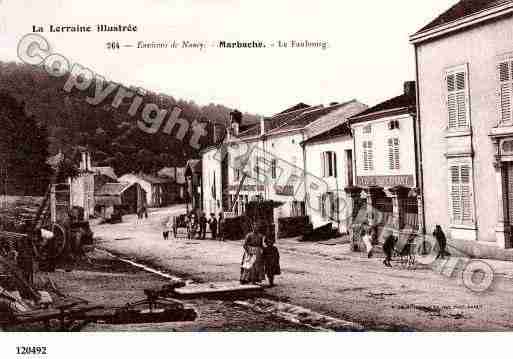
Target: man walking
203, 225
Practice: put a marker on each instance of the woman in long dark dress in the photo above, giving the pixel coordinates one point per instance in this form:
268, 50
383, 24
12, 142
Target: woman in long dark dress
271, 260
252, 265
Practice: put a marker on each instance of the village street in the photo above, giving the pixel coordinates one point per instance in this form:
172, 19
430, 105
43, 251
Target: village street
326, 278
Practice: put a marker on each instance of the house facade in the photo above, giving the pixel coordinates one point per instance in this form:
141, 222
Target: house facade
465, 121
329, 161
385, 160
212, 178
273, 158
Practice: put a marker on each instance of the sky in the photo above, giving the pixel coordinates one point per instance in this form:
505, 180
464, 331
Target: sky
369, 55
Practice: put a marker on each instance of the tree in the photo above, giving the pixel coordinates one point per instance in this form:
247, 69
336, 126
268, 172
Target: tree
24, 149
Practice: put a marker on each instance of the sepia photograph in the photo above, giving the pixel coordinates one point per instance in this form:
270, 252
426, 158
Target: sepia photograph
231, 166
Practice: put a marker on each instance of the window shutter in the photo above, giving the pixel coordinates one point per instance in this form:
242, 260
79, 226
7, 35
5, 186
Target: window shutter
365, 156
451, 101
455, 194
457, 99
335, 165
396, 153
466, 194
390, 153
506, 90
370, 155
322, 164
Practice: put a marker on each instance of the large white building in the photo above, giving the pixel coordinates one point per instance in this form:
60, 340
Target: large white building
212, 180
271, 159
464, 64
386, 173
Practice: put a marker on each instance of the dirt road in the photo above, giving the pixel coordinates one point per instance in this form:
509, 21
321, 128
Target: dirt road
328, 278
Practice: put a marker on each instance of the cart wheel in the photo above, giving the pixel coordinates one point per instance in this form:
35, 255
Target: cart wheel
42, 249
60, 239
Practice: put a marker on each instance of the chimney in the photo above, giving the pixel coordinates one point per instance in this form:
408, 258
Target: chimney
262, 126
410, 88
236, 119
89, 167
83, 163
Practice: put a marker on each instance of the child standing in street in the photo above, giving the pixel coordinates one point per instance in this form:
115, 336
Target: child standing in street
271, 260
213, 225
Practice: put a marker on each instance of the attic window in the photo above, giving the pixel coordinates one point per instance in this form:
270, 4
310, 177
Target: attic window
367, 129
393, 125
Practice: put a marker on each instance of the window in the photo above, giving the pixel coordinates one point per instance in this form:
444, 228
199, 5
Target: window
457, 98
393, 153
393, 125
367, 129
462, 207
298, 209
349, 168
273, 168
329, 205
505, 75
368, 161
329, 164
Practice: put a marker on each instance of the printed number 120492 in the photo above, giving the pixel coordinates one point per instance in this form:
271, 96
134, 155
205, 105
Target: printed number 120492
31, 350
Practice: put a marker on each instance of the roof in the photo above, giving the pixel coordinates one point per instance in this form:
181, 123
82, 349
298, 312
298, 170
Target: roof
277, 120
154, 179
112, 189
299, 106
168, 172
106, 171
194, 165
395, 105
463, 9
307, 117
340, 130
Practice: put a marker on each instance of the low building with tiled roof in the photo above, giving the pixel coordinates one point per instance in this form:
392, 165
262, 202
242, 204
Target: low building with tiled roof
105, 170
121, 197
464, 68
156, 188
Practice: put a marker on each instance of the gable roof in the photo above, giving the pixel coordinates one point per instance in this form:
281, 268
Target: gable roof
308, 117
193, 166
154, 179
106, 171
337, 131
462, 9
113, 189
145, 177
396, 105
277, 120
299, 106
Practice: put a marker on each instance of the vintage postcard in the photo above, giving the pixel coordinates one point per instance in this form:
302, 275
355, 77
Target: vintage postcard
242, 166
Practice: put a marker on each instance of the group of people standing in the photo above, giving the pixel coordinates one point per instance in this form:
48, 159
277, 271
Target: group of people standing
260, 258
197, 225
